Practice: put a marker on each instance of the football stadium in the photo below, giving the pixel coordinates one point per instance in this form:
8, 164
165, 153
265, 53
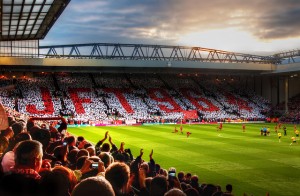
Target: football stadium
109, 118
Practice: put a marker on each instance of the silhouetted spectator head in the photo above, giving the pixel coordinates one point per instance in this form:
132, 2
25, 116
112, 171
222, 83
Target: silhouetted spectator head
52, 183
145, 166
80, 161
87, 144
53, 145
105, 147
106, 158
41, 135
195, 181
188, 178
95, 159
71, 157
29, 125
91, 150
33, 129
118, 175
22, 137
93, 186
60, 153
68, 177
59, 182
159, 186
80, 142
209, 189
82, 152
17, 128
80, 139
29, 154
229, 188
70, 140
163, 172
180, 176
119, 157
191, 192
62, 127
175, 192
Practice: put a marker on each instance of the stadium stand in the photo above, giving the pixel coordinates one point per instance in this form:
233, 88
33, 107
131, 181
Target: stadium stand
294, 110
124, 97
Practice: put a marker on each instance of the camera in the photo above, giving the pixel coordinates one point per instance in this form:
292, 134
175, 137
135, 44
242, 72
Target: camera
94, 165
172, 174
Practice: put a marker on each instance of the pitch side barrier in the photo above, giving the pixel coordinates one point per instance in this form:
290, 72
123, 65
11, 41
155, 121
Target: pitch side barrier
198, 123
149, 124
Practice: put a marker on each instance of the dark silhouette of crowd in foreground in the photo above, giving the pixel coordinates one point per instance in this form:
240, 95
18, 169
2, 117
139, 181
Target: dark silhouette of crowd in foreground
41, 160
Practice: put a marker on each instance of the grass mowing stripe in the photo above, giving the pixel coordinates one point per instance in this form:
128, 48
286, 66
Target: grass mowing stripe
252, 163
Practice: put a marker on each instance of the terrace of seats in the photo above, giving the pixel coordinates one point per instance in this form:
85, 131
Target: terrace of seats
141, 97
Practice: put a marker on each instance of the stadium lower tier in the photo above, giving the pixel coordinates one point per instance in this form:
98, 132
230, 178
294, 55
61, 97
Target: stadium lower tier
127, 97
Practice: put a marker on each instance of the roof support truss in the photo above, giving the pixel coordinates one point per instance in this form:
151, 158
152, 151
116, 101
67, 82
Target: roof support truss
151, 52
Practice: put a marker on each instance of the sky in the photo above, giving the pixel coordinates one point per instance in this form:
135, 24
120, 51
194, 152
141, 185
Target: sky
246, 26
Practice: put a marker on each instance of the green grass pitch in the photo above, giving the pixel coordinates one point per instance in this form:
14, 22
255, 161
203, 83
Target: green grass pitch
252, 163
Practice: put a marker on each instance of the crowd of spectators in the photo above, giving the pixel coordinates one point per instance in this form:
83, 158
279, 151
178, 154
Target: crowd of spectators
41, 159
140, 97
293, 113
237, 102
34, 93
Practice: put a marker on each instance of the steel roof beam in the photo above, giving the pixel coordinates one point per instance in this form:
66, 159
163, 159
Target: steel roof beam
157, 52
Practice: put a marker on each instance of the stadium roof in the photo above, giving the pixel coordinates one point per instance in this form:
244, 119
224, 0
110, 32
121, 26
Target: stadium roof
28, 19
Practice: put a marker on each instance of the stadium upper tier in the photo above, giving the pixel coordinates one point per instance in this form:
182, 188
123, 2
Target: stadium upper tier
138, 97
98, 56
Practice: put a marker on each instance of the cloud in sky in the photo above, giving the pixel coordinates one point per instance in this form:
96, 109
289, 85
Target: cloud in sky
176, 22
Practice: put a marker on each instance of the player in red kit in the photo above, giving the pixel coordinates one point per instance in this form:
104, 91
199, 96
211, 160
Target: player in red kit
188, 134
175, 130
244, 127
219, 128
